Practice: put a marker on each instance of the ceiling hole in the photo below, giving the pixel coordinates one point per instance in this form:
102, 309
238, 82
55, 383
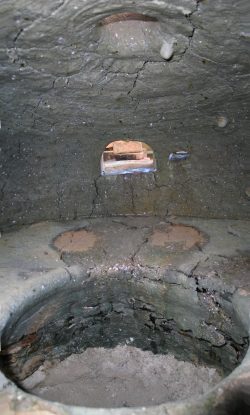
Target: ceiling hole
127, 156
121, 17
130, 34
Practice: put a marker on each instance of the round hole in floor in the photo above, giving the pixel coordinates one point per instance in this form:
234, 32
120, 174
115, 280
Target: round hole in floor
122, 339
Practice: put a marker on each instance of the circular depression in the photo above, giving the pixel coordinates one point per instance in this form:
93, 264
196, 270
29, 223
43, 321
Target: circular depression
123, 339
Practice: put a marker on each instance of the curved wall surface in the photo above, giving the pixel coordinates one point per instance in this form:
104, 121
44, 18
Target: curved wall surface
69, 86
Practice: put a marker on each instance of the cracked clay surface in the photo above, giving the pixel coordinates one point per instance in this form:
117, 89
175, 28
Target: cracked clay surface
79, 93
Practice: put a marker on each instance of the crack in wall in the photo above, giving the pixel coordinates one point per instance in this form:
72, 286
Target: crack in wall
137, 76
95, 198
38, 19
6, 168
133, 208
189, 19
20, 31
144, 242
2, 190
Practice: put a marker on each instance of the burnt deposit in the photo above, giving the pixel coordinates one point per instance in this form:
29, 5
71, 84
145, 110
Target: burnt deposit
173, 313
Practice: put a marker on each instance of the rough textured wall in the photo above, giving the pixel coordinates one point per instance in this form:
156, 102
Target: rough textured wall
65, 93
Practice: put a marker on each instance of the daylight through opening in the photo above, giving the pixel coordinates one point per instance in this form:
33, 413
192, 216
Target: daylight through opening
127, 156
121, 17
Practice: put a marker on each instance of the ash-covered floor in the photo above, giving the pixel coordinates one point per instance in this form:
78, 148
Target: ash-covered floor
121, 377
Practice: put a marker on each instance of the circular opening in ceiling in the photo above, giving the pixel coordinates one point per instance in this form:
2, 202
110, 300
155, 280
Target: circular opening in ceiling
126, 16
126, 156
130, 35
114, 340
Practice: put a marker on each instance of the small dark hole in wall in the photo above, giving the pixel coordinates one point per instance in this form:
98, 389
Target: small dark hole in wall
126, 156
120, 17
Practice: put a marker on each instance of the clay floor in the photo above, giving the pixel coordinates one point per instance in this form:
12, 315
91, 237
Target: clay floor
211, 249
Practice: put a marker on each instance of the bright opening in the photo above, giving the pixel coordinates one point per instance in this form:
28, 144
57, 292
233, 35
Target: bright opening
121, 17
126, 156
130, 35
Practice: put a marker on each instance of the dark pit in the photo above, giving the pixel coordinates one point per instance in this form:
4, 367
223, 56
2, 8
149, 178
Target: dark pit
128, 319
